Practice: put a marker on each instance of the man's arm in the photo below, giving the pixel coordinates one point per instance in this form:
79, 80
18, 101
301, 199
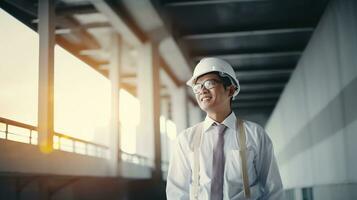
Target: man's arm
268, 171
179, 174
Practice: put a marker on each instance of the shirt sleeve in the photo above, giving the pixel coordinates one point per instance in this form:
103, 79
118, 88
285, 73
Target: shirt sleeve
268, 171
179, 173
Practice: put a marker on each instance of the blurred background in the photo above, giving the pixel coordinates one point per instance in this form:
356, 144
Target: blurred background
93, 94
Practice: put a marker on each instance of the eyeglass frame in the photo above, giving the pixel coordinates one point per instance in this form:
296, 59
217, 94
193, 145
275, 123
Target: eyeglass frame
215, 81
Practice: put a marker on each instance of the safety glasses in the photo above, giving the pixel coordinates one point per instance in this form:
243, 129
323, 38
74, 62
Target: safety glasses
208, 84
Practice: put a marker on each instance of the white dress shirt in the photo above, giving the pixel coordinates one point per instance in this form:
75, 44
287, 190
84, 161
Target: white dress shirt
263, 172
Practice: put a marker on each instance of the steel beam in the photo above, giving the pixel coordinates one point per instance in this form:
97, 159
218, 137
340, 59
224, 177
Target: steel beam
75, 9
261, 87
253, 104
207, 2
246, 33
117, 22
253, 55
255, 96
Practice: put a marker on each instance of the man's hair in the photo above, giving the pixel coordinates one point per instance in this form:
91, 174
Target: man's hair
226, 81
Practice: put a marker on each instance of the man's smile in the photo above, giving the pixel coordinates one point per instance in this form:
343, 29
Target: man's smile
206, 98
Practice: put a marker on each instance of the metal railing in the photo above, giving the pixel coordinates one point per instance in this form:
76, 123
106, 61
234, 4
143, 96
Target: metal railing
135, 158
141, 160
20, 132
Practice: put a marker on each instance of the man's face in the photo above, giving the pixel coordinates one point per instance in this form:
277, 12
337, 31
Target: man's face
214, 99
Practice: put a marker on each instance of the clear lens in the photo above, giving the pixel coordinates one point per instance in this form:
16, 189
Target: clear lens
208, 84
197, 88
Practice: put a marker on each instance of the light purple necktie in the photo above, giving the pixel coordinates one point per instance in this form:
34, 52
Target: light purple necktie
218, 164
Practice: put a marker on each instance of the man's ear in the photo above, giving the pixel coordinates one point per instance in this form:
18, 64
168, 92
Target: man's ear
231, 89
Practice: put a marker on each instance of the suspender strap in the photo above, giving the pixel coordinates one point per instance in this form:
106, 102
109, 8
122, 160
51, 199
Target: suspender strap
243, 160
196, 162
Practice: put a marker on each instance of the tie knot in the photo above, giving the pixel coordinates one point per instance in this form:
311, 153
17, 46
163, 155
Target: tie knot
220, 128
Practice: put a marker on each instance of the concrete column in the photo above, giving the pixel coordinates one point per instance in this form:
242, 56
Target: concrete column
149, 97
179, 108
195, 114
46, 75
164, 137
114, 76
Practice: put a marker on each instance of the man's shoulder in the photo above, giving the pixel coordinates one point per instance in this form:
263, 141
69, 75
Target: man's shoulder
187, 134
254, 130
252, 125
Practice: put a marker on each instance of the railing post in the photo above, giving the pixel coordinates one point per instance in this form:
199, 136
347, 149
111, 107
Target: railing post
30, 142
6, 130
59, 142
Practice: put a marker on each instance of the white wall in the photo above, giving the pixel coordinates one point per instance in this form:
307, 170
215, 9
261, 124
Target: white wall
314, 124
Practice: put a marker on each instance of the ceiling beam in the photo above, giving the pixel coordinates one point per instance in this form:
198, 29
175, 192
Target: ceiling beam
245, 76
119, 24
24, 6
253, 55
86, 39
246, 33
128, 75
257, 96
95, 25
23, 14
80, 27
261, 87
253, 104
76, 52
169, 72
207, 2
75, 9
267, 72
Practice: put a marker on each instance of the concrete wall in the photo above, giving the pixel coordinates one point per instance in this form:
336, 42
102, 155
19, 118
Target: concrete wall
78, 188
17, 157
314, 124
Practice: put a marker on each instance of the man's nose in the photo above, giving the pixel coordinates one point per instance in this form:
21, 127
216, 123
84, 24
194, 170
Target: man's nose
204, 90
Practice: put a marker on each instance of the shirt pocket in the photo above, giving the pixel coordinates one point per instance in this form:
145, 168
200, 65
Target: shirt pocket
233, 168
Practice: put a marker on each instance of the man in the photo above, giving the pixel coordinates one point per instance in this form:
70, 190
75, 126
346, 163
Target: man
220, 158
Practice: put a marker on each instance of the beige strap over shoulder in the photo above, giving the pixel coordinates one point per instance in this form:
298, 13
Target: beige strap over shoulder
243, 156
196, 159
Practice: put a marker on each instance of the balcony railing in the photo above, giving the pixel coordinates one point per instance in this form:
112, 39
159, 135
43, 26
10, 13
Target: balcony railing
135, 158
20, 132
24, 133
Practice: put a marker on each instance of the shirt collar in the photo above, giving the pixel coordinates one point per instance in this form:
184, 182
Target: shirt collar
230, 122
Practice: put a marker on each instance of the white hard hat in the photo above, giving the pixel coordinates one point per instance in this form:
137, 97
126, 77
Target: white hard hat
207, 65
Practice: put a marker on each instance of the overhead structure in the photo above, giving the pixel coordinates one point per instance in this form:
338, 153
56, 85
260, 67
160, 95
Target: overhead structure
263, 40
